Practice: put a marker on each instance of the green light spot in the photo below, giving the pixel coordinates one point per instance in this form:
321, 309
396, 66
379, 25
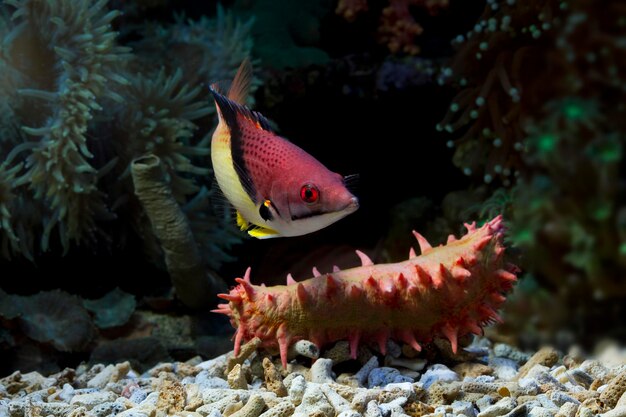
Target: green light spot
601, 212
546, 143
573, 111
523, 236
622, 249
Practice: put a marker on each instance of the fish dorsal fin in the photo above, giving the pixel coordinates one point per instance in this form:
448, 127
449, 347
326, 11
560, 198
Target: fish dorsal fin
240, 87
233, 103
229, 110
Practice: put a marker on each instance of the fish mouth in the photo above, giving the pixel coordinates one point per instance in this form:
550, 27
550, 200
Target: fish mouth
349, 208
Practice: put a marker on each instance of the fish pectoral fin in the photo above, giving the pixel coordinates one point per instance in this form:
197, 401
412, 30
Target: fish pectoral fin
242, 223
262, 233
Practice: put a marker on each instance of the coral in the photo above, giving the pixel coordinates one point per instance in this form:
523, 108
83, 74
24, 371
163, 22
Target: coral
578, 222
75, 43
205, 50
286, 33
112, 310
397, 28
449, 290
53, 317
92, 107
518, 56
184, 263
539, 114
502, 77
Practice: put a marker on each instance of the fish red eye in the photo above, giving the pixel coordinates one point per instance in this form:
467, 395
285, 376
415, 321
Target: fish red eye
309, 193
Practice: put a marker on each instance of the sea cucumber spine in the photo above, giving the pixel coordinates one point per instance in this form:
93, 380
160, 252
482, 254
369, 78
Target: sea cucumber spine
450, 291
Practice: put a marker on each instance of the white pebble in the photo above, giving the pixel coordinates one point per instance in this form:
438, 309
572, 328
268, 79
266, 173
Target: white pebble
349, 413
393, 407
438, 372
304, 348
616, 412
373, 410
339, 403
568, 410
296, 389
500, 408
540, 412
314, 402
321, 371
464, 408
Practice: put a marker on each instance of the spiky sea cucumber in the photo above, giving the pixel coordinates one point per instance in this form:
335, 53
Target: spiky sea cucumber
450, 290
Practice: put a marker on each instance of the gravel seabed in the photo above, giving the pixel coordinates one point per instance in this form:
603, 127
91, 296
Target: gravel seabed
492, 380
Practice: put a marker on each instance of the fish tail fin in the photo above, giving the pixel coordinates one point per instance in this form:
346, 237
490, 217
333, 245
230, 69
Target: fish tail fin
240, 86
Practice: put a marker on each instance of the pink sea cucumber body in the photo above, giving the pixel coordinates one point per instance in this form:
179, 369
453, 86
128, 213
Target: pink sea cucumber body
449, 291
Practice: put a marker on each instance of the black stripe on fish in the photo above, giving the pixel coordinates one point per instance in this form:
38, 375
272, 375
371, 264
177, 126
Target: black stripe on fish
230, 110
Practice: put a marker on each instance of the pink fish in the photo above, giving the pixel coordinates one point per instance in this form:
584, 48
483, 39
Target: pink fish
276, 187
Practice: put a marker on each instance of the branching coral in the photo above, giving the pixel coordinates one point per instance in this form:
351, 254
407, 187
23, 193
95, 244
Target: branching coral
398, 28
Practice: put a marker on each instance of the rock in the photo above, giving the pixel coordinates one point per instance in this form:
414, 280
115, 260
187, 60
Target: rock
438, 372
472, 369
506, 351
253, 408
304, 348
297, 389
245, 351
540, 412
214, 367
314, 403
363, 373
321, 371
546, 356
380, 377
567, 410
504, 368
273, 380
282, 409
559, 398
616, 412
339, 403
464, 408
500, 408
615, 389
171, 397
339, 353
93, 399
237, 378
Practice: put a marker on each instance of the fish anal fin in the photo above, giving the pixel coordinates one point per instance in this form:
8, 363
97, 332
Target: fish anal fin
263, 233
242, 223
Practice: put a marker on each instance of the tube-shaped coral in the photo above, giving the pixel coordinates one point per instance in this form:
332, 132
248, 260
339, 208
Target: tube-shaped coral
193, 285
66, 51
158, 117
